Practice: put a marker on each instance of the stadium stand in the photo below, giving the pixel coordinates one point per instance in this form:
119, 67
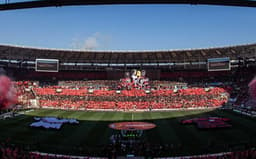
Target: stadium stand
14, 152
104, 98
95, 81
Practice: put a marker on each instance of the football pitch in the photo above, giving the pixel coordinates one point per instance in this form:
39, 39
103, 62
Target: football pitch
92, 134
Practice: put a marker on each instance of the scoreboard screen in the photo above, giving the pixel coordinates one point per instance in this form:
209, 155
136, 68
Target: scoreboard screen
219, 64
47, 65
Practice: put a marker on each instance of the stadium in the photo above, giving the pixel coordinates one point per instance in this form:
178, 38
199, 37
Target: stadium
186, 103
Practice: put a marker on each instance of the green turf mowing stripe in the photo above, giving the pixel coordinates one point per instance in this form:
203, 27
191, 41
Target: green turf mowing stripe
125, 116
90, 116
163, 131
168, 127
152, 135
117, 116
97, 129
106, 132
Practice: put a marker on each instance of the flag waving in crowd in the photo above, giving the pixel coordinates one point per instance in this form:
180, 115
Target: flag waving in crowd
137, 80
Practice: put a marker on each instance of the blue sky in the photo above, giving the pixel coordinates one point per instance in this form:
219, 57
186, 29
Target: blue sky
129, 27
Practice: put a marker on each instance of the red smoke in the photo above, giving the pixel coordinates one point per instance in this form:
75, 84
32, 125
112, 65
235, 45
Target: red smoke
8, 95
252, 88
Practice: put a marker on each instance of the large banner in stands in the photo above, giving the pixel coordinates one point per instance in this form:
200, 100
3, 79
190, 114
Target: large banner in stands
47, 65
218, 64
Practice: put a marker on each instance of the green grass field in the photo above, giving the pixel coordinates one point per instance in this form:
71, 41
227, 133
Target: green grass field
90, 136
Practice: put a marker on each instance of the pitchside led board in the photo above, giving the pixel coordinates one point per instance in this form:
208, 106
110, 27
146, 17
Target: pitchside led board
47, 65
219, 64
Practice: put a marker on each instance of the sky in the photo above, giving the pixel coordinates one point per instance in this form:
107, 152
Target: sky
129, 27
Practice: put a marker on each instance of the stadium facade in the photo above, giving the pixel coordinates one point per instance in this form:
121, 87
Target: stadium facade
22, 61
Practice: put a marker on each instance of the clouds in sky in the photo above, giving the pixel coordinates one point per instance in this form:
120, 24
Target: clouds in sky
93, 42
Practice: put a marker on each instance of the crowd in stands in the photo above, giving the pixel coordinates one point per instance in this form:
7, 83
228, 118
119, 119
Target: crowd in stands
24, 91
52, 90
89, 95
203, 89
87, 84
132, 99
11, 151
8, 151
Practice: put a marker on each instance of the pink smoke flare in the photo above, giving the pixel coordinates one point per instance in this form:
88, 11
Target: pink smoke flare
252, 88
8, 96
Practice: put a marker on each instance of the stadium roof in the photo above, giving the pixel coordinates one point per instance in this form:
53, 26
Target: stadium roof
11, 4
124, 57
